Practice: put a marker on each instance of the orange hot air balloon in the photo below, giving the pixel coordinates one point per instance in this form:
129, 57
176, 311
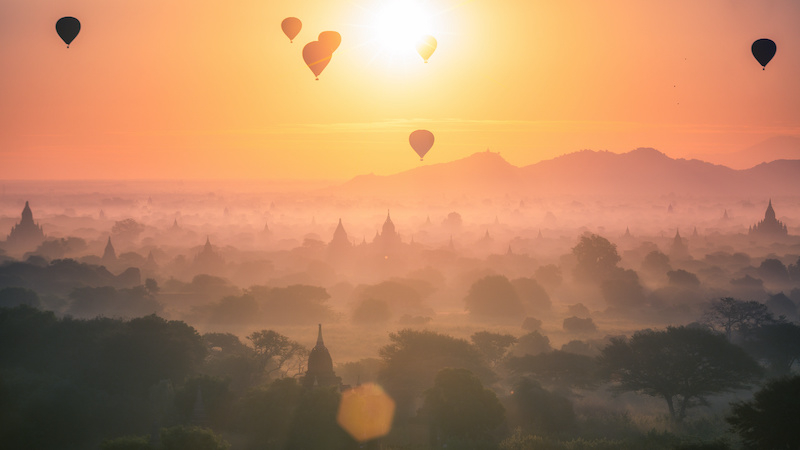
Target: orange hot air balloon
425, 47
316, 56
291, 26
330, 39
421, 141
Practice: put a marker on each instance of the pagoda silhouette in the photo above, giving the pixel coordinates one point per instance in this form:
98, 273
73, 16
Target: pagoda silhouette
770, 227
27, 234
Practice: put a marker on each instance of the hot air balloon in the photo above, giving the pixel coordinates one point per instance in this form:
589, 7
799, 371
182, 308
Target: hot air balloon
291, 26
421, 141
316, 56
763, 50
330, 39
67, 28
425, 47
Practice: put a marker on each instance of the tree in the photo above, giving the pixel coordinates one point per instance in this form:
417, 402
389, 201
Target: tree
558, 368
127, 443
190, 437
493, 346
540, 411
127, 229
732, 315
493, 296
778, 344
769, 421
532, 343
273, 349
458, 406
412, 359
597, 258
314, 426
264, 414
683, 365
532, 294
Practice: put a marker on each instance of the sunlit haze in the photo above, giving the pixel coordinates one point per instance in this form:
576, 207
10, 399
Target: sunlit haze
189, 89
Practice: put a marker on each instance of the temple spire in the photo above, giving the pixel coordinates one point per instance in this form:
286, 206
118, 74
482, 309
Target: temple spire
320, 344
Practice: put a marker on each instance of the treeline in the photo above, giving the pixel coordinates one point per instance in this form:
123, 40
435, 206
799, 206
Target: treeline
149, 383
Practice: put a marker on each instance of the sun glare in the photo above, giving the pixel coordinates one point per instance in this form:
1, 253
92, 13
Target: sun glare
398, 25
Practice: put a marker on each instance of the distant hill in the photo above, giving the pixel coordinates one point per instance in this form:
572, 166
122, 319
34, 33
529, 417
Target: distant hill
772, 149
638, 173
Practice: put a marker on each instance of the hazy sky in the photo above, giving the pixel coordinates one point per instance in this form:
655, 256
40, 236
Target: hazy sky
213, 89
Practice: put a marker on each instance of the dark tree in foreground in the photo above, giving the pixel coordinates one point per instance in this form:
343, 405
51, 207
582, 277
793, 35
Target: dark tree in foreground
681, 365
778, 344
458, 406
413, 358
732, 315
770, 420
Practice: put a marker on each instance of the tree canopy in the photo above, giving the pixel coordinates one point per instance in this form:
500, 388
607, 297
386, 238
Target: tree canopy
679, 364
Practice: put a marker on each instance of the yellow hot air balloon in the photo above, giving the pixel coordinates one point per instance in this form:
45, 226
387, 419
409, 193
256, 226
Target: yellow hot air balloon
291, 26
421, 141
425, 47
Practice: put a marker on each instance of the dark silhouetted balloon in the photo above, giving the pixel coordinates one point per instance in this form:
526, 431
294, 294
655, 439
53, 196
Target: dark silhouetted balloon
67, 28
763, 50
421, 141
291, 26
425, 47
317, 56
330, 39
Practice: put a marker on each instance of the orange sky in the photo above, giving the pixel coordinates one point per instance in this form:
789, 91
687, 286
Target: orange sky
212, 89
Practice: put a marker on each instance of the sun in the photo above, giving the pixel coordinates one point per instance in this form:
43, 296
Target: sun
398, 25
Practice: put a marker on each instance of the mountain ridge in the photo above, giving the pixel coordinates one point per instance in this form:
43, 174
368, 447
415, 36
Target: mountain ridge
643, 171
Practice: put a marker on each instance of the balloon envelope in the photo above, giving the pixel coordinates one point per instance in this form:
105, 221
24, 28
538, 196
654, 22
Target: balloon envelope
425, 47
316, 56
330, 39
291, 26
68, 28
421, 141
763, 50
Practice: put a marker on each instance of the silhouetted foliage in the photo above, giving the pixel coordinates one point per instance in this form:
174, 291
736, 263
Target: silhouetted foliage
127, 229
656, 263
531, 324
15, 296
314, 422
683, 278
88, 302
273, 350
578, 325
127, 443
458, 406
191, 437
778, 344
622, 291
682, 365
769, 421
532, 343
597, 258
729, 315
412, 359
773, 270
265, 414
549, 276
296, 304
493, 346
493, 297
532, 295
539, 411
371, 311
557, 368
